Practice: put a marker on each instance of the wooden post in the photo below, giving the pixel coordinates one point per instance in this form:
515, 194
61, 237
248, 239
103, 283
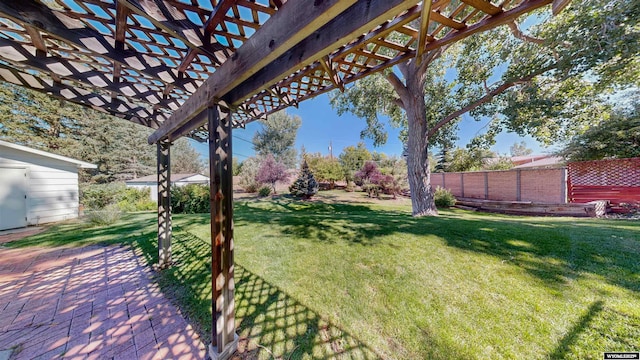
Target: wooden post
164, 204
224, 341
462, 184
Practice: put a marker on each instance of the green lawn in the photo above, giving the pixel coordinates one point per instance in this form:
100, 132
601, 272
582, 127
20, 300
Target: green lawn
350, 279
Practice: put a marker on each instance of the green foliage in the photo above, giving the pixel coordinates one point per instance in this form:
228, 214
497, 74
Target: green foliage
264, 191
248, 174
278, 137
324, 168
190, 199
108, 215
100, 196
305, 185
185, 159
444, 198
116, 146
353, 159
236, 167
97, 196
618, 137
499, 163
520, 149
469, 160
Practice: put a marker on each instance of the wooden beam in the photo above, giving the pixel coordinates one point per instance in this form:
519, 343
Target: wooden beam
60, 26
291, 24
489, 23
122, 12
84, 75
484, 6
37, 41
425, 13
217, 15
355, 21
224, 341
328, 66
438, 17
159, 15
164, 204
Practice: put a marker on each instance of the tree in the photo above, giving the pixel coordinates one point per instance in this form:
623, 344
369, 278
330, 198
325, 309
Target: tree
248, 174
115, 145
548, 89
617, 137
271, 171
520, 149
185, 159
305, 185
325, 168
352, 159
277, 137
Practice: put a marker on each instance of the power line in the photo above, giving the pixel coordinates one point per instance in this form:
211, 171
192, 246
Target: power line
239, 138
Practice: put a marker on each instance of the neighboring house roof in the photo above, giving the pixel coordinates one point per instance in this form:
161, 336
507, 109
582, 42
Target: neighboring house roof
154, 178
548, 161
519, 160
79, 163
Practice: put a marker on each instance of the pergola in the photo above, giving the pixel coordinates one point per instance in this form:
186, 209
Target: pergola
200, 68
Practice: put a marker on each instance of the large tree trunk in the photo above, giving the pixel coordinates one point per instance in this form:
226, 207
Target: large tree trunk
412, 98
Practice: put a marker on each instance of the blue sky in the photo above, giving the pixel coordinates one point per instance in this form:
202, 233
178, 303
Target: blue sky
322, 125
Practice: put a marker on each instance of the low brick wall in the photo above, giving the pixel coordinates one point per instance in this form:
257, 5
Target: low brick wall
547, 186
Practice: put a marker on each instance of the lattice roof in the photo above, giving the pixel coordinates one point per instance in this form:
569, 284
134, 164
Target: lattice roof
159, 62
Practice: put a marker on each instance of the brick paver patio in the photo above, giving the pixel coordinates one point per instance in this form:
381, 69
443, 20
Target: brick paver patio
88, 303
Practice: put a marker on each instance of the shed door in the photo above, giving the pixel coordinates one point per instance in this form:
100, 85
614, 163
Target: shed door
13, 203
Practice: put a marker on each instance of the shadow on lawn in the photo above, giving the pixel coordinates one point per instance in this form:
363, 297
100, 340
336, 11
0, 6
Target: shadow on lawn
554, 250
267, 318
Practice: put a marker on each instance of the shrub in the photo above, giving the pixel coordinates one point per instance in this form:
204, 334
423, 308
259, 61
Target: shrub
190, 199
305, 185
248, 174
99, 196
444, 198
105, 216
264, 191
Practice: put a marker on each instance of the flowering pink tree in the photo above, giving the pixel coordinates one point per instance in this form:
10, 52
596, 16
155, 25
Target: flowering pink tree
271, 171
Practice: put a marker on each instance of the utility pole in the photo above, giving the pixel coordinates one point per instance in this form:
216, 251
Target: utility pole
330, 150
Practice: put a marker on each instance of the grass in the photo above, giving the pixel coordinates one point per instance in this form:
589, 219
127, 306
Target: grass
341, 278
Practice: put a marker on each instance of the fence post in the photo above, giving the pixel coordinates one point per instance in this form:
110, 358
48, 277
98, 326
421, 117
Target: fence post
462, 184
564, 186
518, 184
486, 185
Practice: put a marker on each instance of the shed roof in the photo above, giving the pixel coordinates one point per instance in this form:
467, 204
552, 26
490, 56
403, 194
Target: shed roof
78, 163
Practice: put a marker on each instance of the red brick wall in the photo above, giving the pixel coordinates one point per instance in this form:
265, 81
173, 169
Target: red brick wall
453, 182
535, 185
503, 185
544, 185
474, 186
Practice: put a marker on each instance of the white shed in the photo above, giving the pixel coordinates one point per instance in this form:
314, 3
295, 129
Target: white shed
37, 187
151, 182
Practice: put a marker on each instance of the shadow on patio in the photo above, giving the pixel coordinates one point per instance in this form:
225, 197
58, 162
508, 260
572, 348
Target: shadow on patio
89, 302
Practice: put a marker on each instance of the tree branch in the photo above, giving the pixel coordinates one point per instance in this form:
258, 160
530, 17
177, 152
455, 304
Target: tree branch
515, 30
399, 87
486, 98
